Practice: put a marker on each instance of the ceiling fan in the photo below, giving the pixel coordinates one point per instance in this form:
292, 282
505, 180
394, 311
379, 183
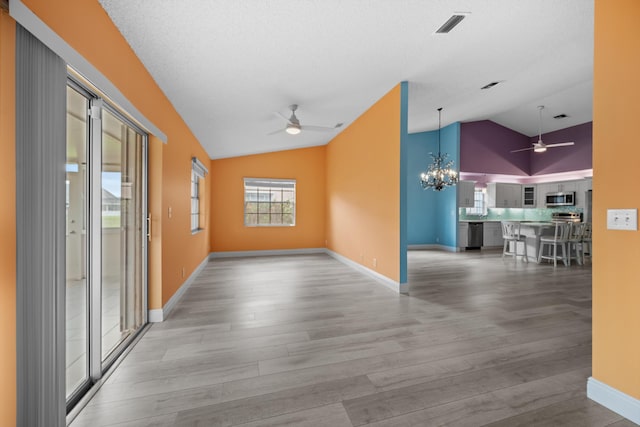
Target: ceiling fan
294, 127
541, 147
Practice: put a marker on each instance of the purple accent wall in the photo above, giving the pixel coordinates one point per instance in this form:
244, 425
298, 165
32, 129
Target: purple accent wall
564, 159
485, 151
485, 147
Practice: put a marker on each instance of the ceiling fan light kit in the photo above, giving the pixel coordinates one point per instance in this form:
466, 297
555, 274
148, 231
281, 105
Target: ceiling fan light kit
293, 129
541, 147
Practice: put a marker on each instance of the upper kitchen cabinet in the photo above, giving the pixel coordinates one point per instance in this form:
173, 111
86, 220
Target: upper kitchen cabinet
578, 186
529, 193
584, 185
502, 195
465, 194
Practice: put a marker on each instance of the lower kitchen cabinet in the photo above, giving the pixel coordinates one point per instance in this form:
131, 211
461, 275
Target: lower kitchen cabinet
492, 235
463, 234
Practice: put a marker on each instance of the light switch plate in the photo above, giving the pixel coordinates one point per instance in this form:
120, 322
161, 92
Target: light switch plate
622, 219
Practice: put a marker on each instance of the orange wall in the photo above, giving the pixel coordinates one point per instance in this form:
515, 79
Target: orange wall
73, 20
306, 166
616, 176
363, 188
7, 223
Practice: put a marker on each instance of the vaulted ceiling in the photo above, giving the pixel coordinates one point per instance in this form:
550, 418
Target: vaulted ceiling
228, 66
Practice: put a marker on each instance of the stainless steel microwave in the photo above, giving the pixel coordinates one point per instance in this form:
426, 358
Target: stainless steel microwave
567, 198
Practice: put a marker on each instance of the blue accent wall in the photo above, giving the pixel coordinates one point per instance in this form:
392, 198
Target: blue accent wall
432, 216
447, 200
421, 227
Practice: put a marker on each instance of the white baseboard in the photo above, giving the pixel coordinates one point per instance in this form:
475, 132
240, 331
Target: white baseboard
156, 315
615, 400
401, 288
433, 247
274, 252
159, 314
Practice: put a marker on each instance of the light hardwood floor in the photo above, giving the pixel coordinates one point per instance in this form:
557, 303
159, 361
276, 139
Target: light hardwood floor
307, 341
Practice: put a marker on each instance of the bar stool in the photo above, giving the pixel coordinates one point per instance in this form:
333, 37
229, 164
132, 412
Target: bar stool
586, 242
511, 234
575, 242
560, 238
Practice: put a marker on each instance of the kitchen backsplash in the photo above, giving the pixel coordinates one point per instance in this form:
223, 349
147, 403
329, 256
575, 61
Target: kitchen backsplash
516, 214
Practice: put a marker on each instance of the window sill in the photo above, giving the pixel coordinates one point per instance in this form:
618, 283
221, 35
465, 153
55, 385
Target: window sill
193, 232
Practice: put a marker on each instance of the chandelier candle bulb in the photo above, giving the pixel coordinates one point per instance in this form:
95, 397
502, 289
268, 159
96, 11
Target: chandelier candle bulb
440, 173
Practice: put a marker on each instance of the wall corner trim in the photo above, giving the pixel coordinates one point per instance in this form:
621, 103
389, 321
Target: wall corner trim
160, 314
400, 288
615, 400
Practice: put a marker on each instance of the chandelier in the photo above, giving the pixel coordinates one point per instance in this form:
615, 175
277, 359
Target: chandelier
440, 173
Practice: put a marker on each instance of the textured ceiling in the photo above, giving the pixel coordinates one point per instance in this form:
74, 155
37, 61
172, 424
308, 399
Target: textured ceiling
228, 65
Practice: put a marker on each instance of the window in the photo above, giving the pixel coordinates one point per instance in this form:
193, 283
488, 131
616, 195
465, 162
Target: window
198, 172
269, 202
479, 207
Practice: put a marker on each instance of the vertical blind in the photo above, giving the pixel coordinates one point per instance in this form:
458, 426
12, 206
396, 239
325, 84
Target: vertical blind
41, 79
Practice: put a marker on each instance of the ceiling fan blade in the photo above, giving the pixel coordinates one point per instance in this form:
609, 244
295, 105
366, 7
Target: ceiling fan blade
560, 144
523, 149
282, 116
276, 131
321, 128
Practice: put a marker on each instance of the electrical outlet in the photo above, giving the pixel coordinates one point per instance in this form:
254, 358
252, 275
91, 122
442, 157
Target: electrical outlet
170, 212
622, 219
184, 272
375, 262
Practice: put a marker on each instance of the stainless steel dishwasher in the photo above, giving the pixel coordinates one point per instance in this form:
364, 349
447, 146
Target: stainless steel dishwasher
475, 235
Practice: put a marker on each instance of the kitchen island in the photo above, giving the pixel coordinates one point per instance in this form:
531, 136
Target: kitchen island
533, 231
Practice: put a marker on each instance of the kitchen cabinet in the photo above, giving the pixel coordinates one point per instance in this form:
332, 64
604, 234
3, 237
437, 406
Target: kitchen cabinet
529, 193
492, 235
503, 195
579, 186
465, 194
584, 185
463, 234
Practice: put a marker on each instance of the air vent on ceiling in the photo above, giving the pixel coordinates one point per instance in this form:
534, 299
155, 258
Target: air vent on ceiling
560, 116
451, 23
490, 85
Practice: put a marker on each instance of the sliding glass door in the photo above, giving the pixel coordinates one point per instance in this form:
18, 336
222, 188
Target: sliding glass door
77, 346
122, 232
105, 237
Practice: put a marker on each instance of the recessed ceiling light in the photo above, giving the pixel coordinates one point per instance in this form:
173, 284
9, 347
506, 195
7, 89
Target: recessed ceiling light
451, 23
490, 85
560, 116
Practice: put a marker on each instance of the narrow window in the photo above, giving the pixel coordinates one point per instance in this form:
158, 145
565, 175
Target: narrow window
198, 172
479, 205
269, 202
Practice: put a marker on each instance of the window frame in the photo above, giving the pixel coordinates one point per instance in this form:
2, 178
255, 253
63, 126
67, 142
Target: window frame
277, 184
479, 203
198, 174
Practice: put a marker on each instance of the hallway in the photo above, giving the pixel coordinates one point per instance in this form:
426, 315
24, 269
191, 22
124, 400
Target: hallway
307, 341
